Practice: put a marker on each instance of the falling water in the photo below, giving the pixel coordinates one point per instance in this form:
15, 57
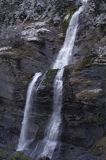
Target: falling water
47, 146
63, 58
65, 53
52, 130
24, 138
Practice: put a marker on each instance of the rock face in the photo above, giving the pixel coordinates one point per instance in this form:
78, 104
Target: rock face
32, 33
91, 34
84, 105
83, 110
26, 47
44, 158
14, 12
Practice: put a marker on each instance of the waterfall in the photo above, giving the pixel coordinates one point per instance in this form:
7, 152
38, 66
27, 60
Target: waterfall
65, 53
24, 138
52, 131
47, 146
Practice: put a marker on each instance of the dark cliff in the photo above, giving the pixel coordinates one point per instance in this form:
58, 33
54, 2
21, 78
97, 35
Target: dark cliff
31, 34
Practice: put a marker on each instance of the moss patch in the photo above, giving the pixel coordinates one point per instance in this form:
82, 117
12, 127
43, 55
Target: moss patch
99, 148
19, 156
49, 77
88, 82
3, 154
71, 9
86, 62
100, 116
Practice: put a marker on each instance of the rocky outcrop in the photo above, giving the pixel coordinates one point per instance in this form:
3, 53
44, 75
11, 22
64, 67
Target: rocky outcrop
83, 110
91, 34
84, 105
17, 66
14, 12
32, 33
44, 158
27, 47
44, 102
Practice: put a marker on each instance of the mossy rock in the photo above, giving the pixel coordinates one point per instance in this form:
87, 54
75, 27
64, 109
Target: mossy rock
19, 156
87, 82
99, 148
3, 154
49, 77
66, 20
24, 78
86, 62
68, 72
100, 117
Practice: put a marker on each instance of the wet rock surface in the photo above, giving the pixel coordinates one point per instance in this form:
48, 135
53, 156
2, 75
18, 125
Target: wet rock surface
32, 33
83, 112
44, 158
25, 48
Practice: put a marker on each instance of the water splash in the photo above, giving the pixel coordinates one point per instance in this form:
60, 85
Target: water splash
24, 137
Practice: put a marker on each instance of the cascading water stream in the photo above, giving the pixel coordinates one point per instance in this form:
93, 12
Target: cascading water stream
24, 137
47, 146
52, 131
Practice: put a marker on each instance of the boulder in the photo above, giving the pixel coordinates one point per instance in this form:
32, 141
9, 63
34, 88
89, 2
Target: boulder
44, 158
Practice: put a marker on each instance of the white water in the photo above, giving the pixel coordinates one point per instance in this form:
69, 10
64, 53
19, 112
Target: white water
65, 53
52, 130
63, 59
24, 139
50, 141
